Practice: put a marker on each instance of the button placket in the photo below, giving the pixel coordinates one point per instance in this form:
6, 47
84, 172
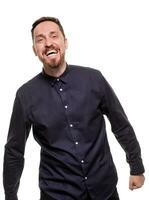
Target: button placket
71, 125
61, 89
66, 106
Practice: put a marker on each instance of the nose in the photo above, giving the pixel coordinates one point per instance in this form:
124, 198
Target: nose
48, 42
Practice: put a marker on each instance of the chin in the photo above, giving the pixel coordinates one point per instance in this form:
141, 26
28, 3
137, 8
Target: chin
53, 65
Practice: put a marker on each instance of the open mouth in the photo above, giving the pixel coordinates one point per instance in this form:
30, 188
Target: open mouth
51, 52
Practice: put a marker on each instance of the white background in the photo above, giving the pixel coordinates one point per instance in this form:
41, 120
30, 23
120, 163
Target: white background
110, 35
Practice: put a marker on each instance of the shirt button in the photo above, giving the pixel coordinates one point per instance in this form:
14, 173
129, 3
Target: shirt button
82, 161
71, 125
85, 177
61, 89
76, 142
57, 79
66, 106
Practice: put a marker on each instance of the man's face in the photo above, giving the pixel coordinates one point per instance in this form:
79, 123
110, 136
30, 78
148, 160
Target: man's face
49, 44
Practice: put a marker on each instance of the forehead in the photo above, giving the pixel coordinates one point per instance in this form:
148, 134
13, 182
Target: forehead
46, 27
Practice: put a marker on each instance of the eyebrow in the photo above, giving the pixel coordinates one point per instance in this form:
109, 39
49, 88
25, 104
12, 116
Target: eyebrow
40, 35
51, 33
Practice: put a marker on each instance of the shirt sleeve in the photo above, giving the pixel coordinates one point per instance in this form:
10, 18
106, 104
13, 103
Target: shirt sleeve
122, 128
14, 150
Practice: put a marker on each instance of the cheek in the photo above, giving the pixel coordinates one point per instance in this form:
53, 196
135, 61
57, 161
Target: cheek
39, 51
63, 48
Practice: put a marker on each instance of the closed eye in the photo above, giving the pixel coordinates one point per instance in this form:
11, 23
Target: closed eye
39, 38
54, 36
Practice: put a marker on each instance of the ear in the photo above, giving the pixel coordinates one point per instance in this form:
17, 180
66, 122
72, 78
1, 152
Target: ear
66, 43
34, 50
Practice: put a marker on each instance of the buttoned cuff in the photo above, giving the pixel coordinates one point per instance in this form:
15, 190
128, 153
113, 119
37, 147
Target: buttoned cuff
11, 197
137, 168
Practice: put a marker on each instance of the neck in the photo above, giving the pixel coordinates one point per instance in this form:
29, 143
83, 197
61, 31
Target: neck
55, 71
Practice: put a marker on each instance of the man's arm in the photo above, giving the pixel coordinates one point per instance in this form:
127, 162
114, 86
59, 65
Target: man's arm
124, 133
14, 150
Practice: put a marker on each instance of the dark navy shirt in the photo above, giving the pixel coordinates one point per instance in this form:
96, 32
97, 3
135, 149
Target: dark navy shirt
67, 117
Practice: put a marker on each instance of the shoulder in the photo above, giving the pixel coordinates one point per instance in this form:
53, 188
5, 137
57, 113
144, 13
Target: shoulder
30, 85
89, 74
83, 70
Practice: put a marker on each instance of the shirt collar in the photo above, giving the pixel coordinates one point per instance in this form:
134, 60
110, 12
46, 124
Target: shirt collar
63, 77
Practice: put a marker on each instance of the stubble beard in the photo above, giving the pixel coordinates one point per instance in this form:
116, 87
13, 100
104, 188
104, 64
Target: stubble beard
54, 64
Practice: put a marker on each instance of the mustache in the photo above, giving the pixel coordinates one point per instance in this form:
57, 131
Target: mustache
49, 48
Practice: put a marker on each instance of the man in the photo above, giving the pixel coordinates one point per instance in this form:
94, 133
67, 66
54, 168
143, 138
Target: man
65, 105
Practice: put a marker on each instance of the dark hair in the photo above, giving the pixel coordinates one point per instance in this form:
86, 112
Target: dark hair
51, 19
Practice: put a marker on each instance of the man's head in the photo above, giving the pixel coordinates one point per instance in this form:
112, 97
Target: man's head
49, 41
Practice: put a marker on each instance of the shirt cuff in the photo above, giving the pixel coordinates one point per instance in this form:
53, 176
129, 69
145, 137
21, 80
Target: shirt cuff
137, 168
11, 197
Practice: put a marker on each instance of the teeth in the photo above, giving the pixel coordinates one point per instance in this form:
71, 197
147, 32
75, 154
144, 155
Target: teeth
51, 52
